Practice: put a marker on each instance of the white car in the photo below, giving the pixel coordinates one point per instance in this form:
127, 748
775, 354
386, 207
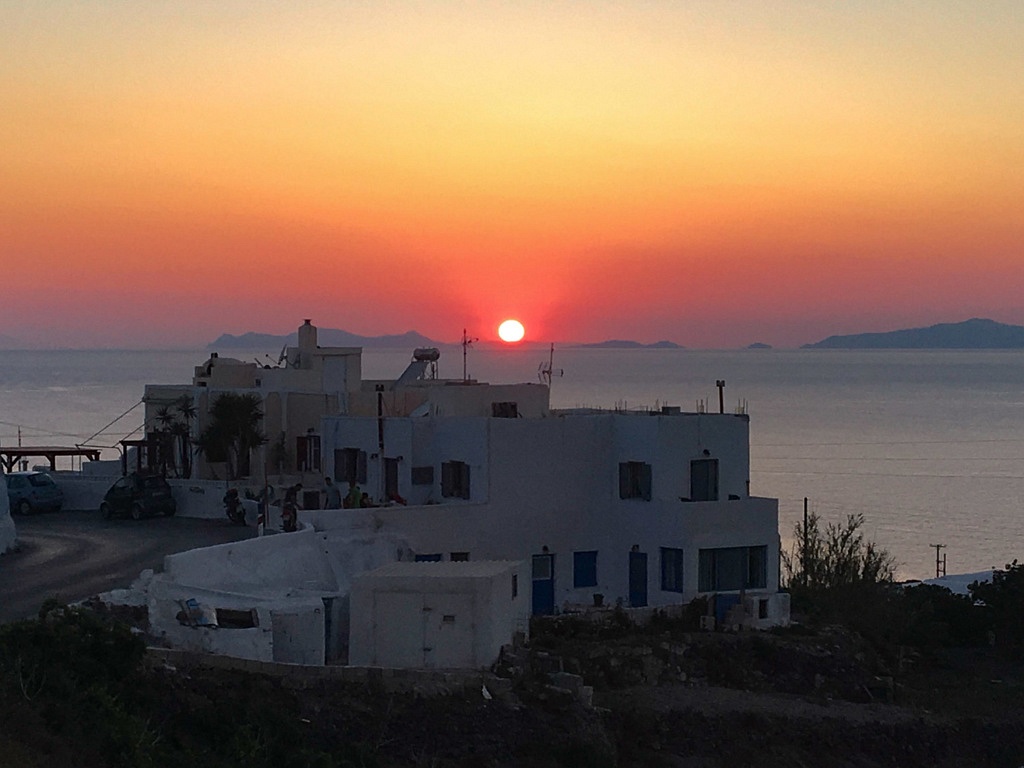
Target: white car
30, 492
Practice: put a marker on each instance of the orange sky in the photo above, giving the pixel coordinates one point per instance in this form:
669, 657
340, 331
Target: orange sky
713, 174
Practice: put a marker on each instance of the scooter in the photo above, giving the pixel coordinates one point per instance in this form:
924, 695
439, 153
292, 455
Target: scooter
233, 507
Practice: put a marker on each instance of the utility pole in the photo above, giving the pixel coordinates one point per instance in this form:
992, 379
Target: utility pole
547, 372
381, 482
803, 552
466, 342
940, 562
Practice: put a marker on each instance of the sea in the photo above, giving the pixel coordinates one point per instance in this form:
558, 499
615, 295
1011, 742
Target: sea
927, 445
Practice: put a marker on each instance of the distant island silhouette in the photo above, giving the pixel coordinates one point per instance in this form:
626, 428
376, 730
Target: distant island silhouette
759, 345
976, 333
329, 337
334, 337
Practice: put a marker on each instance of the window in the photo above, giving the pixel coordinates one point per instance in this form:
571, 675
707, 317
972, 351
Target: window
307, 453
733, 568
459, 557
153, 483
704, 480
390, 479
515, 585
350, 465
584, 569
232, 618
635, 480
422, 475
432, 558
671, 569
543, 567
455, 479
505, 410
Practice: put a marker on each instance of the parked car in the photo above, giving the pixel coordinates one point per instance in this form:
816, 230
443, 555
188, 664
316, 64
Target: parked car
30, 492
139, 495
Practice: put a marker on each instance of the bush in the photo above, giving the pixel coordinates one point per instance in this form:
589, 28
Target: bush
68, 674
835, 575
1002, 602
837, 556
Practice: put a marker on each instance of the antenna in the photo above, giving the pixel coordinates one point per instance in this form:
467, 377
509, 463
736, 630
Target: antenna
546, 371
940, 562
466, 343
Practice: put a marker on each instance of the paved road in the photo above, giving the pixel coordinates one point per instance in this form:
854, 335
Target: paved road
74, 555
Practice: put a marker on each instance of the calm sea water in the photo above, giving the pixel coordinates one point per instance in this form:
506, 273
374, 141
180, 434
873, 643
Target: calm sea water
929, 446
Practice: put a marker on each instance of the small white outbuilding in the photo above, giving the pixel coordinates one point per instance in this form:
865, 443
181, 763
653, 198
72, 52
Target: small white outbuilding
444, 615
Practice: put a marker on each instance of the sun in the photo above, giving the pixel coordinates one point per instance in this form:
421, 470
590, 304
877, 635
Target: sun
511, 331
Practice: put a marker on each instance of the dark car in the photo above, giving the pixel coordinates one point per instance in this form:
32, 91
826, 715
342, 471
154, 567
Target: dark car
31, 492
139, 495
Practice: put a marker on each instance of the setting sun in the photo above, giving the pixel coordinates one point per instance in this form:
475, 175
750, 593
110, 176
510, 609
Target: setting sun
511, 331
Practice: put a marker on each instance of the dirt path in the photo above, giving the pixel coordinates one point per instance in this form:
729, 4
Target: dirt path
73, 555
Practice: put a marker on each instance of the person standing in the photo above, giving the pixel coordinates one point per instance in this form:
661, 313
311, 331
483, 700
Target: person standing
354, 499
332, 495
290, 509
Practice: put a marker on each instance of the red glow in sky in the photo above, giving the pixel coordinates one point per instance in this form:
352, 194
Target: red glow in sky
174, 172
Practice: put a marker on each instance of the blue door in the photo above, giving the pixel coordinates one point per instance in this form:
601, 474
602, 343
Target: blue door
543, 585
637, 579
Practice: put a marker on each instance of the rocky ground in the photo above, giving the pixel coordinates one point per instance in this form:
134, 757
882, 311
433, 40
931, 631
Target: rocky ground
661, 696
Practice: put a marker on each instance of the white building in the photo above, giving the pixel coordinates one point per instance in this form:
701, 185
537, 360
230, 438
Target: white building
640, 508
444, 615
605, 507
310, 382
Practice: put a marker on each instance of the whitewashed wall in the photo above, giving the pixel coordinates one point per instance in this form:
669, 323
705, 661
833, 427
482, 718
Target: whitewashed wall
83, 492
287, 576
554, 483
8, 534
441, 615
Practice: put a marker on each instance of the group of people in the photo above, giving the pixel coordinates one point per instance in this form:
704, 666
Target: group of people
354, 499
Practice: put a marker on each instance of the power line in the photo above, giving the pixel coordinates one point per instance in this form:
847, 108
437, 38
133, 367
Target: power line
112, 423
35, 430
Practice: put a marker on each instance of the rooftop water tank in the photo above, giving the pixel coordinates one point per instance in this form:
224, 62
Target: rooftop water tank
426, 354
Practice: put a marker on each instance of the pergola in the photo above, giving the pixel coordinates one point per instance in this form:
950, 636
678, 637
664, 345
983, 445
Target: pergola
11, 456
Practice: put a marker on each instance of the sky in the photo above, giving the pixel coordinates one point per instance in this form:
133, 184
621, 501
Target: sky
709, 173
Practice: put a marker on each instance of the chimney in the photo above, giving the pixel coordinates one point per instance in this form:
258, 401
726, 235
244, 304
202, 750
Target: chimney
307, 344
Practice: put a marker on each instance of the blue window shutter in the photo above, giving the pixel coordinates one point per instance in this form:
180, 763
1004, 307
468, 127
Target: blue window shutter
645, 482
584, 569
361, 471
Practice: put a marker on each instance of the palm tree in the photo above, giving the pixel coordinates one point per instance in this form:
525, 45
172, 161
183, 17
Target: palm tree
233, 432
164, 439
182, 429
